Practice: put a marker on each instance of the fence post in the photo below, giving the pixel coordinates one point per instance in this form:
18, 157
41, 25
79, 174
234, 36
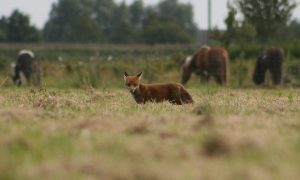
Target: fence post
37, 79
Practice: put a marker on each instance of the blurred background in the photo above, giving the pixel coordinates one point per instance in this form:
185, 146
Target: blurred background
92, 42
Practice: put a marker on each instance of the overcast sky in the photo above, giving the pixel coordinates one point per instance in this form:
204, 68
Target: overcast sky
39, 10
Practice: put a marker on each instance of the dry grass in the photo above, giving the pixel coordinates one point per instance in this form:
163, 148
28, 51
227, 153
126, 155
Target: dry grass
95, 134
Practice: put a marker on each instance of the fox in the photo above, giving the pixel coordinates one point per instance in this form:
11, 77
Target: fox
174, 93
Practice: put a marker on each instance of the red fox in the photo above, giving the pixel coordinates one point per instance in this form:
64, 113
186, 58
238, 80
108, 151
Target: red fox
173, 92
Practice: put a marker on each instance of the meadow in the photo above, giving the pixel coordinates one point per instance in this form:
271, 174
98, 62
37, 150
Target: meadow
104, 134
81, 66
81, 123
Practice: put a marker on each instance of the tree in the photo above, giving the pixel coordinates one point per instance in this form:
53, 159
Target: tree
137, 13
266, 16
237, 31
291, 31
122, 27
294, 29
245, 33
166, 32
17, 28
72, 21
136, 18
106, 21
172, 10
231, 25
104, 12
169, 22
3, 28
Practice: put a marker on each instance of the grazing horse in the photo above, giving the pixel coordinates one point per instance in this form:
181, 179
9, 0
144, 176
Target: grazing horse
26, 65
207, 62
269, 59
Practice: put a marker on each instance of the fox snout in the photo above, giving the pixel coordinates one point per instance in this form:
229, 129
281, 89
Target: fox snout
132, 89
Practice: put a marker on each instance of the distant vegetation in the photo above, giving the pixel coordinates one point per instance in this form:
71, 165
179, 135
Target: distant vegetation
80, 66
168, 22
105, 21
261, 22
17, 28
81, 123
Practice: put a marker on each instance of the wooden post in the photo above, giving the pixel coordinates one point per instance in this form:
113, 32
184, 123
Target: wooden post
37, 74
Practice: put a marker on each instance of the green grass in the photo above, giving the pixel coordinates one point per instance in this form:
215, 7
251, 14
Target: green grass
91, 133
81, 66
68, 130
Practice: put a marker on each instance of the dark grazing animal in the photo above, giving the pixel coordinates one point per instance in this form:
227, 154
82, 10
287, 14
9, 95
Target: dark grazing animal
173, 92
26, 64
271, 59
207, 62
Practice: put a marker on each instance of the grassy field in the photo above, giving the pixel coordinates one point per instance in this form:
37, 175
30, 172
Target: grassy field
83, 124
49, 133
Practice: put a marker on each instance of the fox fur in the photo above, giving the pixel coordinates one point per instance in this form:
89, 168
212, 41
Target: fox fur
172, 92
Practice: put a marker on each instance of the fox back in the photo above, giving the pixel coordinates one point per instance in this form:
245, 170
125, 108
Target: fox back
173, 92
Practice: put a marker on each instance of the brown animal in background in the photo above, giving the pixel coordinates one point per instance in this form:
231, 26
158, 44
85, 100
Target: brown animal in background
207, 62
173, 92
270, 59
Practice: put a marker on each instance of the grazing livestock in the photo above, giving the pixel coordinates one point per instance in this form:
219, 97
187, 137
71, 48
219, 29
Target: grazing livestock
207, 62
270, 59
26, 65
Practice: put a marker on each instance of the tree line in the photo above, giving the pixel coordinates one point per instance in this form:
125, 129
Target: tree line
169, 21
104, 21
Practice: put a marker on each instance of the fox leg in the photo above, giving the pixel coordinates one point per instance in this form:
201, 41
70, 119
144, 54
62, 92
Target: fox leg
186, 97
178, 101
175, 97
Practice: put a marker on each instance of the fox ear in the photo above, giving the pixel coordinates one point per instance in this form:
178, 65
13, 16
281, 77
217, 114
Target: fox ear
125, 76
139, 75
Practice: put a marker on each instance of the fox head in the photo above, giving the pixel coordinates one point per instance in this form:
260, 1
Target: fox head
132, 82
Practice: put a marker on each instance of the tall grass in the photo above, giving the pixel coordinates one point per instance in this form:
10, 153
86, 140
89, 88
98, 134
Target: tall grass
104, 68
